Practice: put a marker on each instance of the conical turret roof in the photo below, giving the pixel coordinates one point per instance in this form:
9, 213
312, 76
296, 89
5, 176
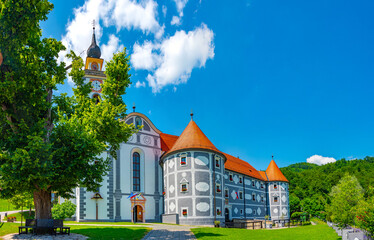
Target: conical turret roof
193, 137
274, 173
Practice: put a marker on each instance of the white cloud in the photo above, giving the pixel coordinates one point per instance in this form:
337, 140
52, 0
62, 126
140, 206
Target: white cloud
180, 4
179, 54
139, 84
128, 14
113, 46
175, 21
142, 56
320, 160
131, 14
164, 10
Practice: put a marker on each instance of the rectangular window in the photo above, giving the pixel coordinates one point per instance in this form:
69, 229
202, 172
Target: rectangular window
184, 187
275, 186
262, 185
231, 177
241, 211
184, 212
262, 198
226, 201
183, 161
275, 199
240, 195
254, 212
253, 183
217, 163
240, 180
218, 210
253, 197
226, 193
218, 188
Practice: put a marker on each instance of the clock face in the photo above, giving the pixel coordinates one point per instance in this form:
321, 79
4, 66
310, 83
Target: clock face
96, 85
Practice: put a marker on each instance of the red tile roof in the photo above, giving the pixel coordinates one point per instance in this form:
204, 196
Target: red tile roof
193, 137
240, 166
167, 141
263, 175
274, 173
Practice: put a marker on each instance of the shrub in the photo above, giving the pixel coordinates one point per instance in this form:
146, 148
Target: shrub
63, 210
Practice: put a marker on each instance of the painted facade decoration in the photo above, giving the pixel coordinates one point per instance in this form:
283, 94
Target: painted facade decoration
184, 175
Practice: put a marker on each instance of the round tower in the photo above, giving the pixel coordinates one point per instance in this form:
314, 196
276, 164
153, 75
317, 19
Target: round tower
278, 193
193, 179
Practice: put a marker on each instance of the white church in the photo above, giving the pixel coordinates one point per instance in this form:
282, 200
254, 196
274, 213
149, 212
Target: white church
183, 179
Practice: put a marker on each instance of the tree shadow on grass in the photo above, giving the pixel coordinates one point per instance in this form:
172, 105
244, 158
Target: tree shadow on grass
202, 235
111, 233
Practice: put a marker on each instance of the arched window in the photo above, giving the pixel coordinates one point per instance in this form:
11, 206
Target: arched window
136, 171
138, 122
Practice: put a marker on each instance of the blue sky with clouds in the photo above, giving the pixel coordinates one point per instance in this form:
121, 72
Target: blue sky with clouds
289, 78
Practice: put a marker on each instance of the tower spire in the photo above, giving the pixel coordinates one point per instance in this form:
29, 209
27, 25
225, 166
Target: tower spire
94, 50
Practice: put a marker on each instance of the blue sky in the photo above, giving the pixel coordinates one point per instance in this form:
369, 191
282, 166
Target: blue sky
289, 78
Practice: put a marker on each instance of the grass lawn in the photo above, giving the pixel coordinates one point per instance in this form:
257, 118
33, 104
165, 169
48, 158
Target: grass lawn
6, 206
102, 223
310, 232
94, 233
111, 233
8, 228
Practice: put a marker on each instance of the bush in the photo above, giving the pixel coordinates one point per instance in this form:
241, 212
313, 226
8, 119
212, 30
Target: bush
296, 215
63, 210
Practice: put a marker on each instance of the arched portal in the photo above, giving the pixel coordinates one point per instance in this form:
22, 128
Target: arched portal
138, 213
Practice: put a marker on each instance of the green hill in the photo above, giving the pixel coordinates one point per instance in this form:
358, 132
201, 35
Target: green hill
311, 184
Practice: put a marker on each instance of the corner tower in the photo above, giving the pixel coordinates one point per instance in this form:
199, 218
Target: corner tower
277, 186
193, 179
94, 68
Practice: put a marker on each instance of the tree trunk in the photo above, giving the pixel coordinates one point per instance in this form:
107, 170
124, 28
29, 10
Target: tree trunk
42, 202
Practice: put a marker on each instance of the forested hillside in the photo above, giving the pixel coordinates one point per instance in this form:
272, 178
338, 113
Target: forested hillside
311, 184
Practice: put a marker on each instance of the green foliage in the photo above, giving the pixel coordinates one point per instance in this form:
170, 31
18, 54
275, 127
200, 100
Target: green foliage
63, 210
22, 200
365, 215
311, 184
51, 143
310, 232
344, 198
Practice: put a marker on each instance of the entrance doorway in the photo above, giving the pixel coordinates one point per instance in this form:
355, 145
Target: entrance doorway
138, 213
227, 215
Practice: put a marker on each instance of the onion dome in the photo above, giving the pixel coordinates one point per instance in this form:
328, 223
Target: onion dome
192, 138
94, 50
274, 173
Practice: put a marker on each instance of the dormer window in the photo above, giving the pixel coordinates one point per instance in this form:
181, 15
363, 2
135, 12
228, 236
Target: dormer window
183, 160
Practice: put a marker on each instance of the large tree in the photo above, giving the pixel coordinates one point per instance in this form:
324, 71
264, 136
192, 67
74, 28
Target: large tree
51, 143
344, 198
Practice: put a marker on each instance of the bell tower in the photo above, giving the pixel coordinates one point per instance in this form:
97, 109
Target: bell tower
93, 67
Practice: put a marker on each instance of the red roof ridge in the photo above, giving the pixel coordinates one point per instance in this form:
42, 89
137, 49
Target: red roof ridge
241, 166
274, 173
